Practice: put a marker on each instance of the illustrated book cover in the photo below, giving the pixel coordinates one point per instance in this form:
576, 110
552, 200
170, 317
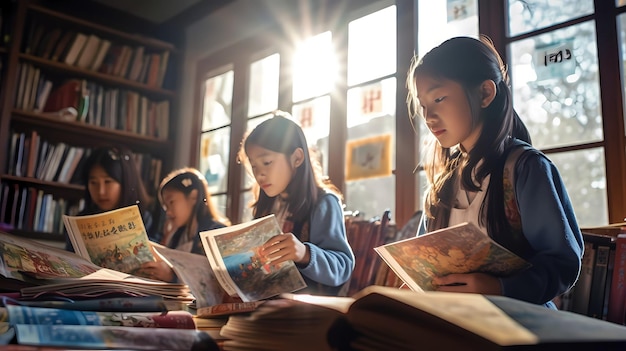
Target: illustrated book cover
115, 239
35, 270
462, 248
233, 253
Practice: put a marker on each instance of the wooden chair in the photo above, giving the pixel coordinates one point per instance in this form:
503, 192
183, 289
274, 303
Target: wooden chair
364, 236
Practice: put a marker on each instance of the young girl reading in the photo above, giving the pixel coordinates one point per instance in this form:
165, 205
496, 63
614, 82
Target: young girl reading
460, 89
308, 209
111, 179
186, 200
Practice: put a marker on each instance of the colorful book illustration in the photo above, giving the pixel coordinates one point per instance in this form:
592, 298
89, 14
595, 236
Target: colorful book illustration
37, 270
116, 239
39, 315
462, 248
195, 271
233, 253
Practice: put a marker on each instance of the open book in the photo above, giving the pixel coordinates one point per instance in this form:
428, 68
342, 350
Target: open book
36, 270
386, 318
115, 239
233, 253
462, 248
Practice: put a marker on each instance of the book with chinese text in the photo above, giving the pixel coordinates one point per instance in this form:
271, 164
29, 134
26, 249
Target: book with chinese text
38, 270
462, 248
233, 253
115, 239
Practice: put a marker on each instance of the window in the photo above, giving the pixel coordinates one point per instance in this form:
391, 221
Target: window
371, 111
556, 91
344, 83
215, 135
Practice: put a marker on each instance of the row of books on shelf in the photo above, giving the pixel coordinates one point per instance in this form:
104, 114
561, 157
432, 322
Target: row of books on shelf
32, 156
600, 291
94, 103
30, 209
92, 52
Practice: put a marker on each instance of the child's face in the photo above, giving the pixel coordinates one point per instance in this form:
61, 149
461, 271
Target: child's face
104, 190
447, 112
178, 207
272, 170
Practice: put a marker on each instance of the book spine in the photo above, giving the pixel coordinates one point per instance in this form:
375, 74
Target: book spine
598, 282
580, 298
617, 295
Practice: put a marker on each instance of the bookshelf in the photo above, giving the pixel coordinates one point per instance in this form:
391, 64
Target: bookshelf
119, 84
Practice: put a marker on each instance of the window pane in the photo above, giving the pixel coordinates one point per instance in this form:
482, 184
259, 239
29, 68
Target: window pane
368, 37
371, 101
218, 98
621, 24
214, 153
263, 95
314, 118
314, 67
620, 2
529, 15
584, 176
371, 124
556, 89
441, 20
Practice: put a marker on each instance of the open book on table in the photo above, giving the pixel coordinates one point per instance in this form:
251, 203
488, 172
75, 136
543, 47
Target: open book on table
38, 270
462, 248
233, 253
115, 239
386, 318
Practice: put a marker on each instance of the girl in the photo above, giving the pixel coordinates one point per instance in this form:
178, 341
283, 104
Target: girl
308, 209
460, 89
111, 179
186, 200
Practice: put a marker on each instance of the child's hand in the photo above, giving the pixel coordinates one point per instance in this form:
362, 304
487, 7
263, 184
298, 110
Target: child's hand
159, 270
285, 247
478, 283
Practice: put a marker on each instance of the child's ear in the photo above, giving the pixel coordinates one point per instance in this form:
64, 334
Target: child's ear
488, 92
297, 157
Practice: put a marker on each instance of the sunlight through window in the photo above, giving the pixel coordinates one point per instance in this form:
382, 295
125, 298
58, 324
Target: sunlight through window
315, 67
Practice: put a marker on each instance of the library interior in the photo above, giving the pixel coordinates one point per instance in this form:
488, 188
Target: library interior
154, 101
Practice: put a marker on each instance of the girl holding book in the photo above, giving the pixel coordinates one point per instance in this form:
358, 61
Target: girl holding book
308, 208
481, 168
111, 179
186, 200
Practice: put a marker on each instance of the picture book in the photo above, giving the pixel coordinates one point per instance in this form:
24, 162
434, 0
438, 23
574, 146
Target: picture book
388, 318
115, 239
195, 271
38, 270
462, 248
18, 314
233, 254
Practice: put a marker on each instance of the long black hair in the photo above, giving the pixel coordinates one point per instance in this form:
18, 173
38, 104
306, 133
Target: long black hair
119, 163
469, 62
281, 134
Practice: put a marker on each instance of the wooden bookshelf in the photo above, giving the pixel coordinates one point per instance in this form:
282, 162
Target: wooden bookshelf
138, 96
